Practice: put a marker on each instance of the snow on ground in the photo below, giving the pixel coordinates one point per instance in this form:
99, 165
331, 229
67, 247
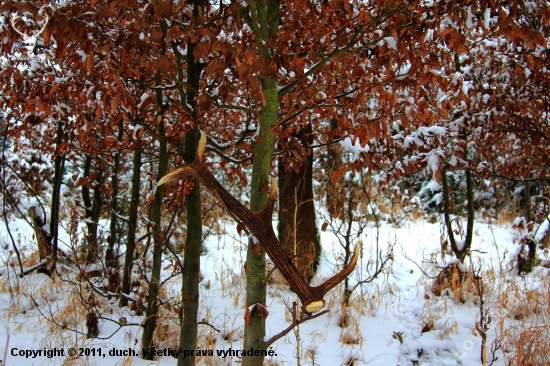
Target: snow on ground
395, 320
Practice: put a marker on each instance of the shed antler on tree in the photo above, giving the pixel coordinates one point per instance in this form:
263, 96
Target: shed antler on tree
260, 225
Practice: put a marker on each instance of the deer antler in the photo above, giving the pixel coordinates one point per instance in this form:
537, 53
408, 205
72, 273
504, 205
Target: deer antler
259, 224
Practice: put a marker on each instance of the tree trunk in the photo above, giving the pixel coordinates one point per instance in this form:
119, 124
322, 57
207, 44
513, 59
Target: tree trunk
111, 258
527, 264
59, 167
266, 16
92, 209
132, 226
471, 211
158, 247
193, 240
334, 196
92, 249
298, 233
527, 195
346, 214
191, 259
461, 250
531, 260
42, 237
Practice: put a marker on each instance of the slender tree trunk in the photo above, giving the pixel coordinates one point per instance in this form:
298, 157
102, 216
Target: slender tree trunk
264, 19
527, 195
531, 260
347, 214
470, 210
461, 250
86, 197
91, 236
92, 249
132, 226
42, 237
334, 196
298, 233
111, 258
193, 240
59, 167
158, 247
191, 259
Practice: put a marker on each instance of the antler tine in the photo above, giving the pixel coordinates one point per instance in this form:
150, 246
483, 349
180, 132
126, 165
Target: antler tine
201, 148
271, 200
186, 170
260, 225
340, 276
173, 176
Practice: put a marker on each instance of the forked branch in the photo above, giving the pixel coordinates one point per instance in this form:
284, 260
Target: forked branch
259, 224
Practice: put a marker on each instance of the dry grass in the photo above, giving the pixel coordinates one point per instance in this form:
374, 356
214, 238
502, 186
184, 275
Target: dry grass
523, 312
271, 362
368, 303
24, 291
75, 361
449, 326
351, 335
127, 361
167, 331
458, 282
545, 241
519, 308
232, 330
527, 346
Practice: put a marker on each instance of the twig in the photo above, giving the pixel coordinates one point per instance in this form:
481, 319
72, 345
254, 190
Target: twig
416, 264
52, 319
210, 325
3, 361
295, 322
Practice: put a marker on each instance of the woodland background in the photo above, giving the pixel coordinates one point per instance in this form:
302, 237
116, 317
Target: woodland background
364, 111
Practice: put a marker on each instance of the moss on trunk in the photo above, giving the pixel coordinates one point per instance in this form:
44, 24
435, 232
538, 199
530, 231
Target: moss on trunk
264, 16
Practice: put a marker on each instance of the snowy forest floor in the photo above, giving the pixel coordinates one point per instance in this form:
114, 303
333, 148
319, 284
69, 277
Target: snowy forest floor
394, 320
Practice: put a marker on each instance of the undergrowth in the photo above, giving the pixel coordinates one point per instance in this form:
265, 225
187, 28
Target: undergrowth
518, 332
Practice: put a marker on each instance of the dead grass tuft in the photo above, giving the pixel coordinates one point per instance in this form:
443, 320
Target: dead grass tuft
351, 334
451, 277
531, 346
167, 331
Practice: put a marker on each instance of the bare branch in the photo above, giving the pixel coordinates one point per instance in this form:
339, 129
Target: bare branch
295, 322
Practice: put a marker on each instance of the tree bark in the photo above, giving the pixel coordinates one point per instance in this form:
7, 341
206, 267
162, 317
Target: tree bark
527, 195
92, 209
59, 167
191, 260
264, 20
531, 260
460, 252
334, 197
132, 226
92, 249
193, 241
111, 258
158, 247
298, 233
42, 237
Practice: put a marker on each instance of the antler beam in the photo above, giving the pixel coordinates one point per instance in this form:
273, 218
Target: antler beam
260, 225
